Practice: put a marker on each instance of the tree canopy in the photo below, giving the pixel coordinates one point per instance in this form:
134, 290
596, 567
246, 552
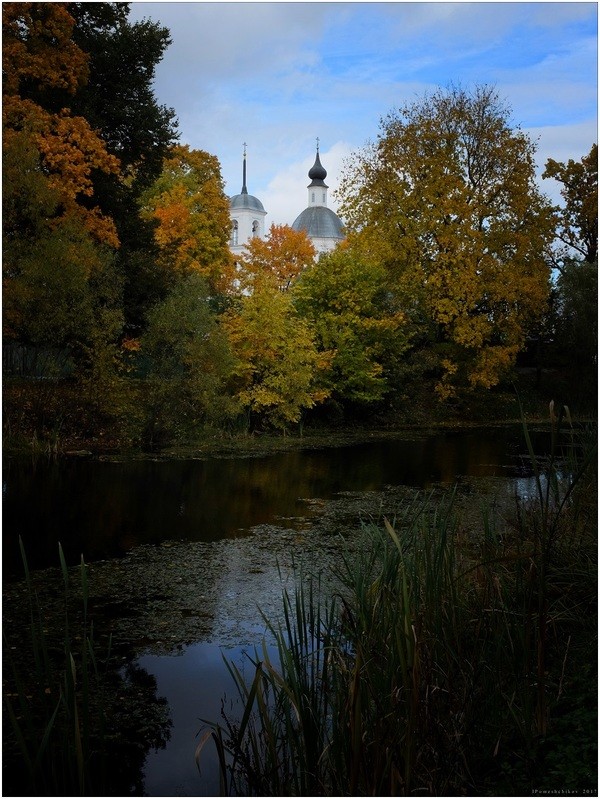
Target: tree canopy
346, 299
447, 200
578, 219
191, 215
279, 258
277, 374
39, 59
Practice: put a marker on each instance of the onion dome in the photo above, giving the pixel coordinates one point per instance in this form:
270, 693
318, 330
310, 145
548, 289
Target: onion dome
317, 173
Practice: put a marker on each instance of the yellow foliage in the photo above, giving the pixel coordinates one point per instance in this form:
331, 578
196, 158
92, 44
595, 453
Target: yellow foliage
446, 200
278, 366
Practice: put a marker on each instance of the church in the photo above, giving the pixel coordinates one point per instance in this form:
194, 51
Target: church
322, 226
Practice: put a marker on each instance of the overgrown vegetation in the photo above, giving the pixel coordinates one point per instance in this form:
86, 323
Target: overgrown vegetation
454, 661
74, 724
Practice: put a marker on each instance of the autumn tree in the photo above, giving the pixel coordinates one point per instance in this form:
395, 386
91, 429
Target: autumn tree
280, 257
578, 219
118, 97
575, 311
57, 243
62, 309
446, 199
346, 299
191, 214
39, 56
277, 372
189, 365
55, 297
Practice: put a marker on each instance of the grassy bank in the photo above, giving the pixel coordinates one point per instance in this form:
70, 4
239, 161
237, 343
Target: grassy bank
453, 661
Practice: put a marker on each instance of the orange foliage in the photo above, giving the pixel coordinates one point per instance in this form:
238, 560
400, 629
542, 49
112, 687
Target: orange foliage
192, 214
45, 55
282, 256
37, 49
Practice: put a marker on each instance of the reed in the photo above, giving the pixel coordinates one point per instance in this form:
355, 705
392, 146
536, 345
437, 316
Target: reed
438, 664
56, 708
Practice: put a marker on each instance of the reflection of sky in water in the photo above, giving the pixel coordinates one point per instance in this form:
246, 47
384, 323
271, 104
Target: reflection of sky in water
526, 488
108, 508
195, 683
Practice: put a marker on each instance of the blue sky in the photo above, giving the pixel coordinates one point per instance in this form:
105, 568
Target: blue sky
277, 75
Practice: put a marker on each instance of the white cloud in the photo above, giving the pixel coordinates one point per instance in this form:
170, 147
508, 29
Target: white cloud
276, 75
562, 143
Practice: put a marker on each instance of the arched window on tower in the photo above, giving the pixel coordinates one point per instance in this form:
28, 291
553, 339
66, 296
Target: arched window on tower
313, 197
234, 233
323, 197
255, 228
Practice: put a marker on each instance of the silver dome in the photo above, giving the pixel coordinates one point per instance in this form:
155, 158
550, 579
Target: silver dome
319, 222
245, 200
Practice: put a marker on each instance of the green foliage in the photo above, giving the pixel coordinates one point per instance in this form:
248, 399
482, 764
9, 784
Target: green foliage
277, 372
118, 97
346, 299
54, 295
118, 100
189, 364
28, 200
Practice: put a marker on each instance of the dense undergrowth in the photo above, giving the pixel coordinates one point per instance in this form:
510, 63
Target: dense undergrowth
450, 663
53, 418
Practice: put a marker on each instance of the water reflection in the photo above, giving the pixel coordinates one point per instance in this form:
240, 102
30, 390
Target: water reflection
195, 683
105, 509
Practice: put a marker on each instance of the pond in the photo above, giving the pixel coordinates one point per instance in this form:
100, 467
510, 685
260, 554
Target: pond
102, 509
215, 531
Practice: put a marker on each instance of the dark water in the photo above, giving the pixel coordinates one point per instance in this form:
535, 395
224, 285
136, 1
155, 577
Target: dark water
102, 509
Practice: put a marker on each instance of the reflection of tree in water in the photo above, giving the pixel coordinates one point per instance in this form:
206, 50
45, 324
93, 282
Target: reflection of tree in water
119, 722
127, 720
139, 721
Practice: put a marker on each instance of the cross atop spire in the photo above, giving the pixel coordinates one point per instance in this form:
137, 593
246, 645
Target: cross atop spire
317, 144
245, 145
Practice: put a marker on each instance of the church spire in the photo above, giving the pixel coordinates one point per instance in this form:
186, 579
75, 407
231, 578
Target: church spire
244, 189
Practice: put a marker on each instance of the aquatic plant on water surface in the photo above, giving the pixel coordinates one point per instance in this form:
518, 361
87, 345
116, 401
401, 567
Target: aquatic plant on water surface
451, 661
54, 701
78, 720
